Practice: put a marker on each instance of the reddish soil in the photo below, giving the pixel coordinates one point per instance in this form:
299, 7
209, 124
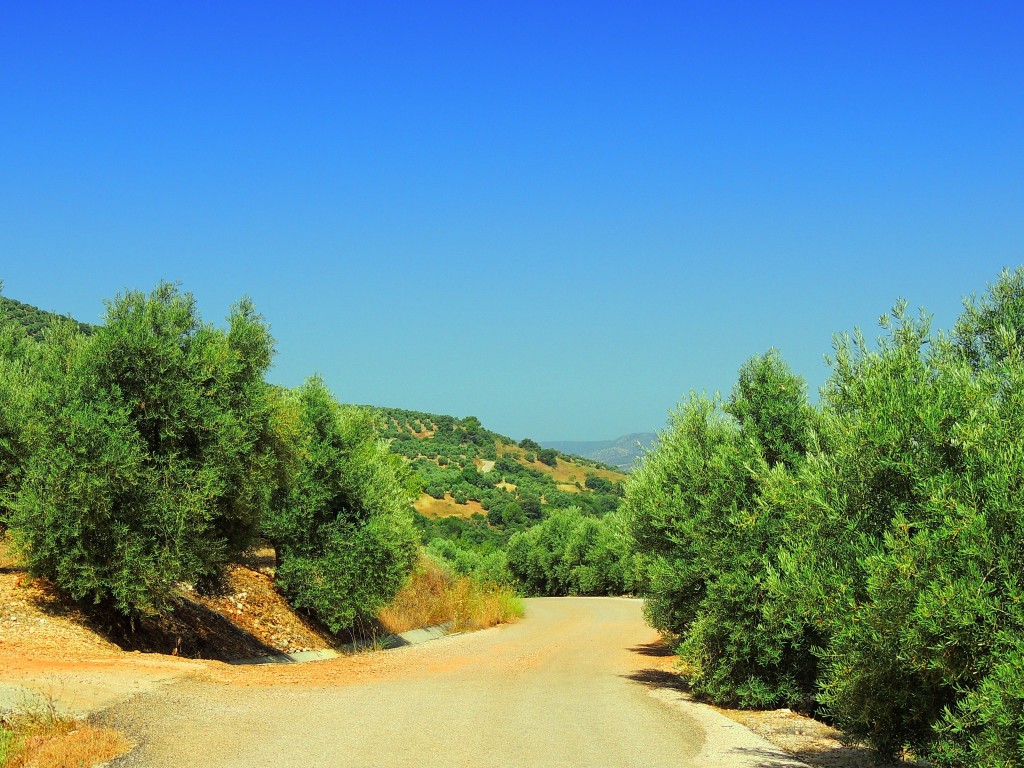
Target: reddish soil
246, 618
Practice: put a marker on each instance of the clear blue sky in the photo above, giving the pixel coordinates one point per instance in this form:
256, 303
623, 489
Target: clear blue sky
558, 217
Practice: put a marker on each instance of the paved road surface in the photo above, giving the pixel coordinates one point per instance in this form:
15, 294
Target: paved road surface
574, 684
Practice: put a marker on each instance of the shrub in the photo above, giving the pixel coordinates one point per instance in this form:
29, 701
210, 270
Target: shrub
705, 511
928, 655
548, 456
342, 526
570, 553
153, 451
599, 484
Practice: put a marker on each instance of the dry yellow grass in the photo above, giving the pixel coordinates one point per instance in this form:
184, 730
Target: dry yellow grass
45, 740
447, 507
8, 559
434, 596
565, 472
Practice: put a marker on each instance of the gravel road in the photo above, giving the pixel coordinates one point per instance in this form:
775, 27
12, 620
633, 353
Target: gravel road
578, 682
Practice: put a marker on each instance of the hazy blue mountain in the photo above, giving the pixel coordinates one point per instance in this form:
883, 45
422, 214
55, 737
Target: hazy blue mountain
618, 453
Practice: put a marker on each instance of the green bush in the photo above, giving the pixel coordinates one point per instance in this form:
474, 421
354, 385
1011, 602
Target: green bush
483, 566
153, 453
570, 553
342, 526
598, 483
934, 437
863, 557
703, 512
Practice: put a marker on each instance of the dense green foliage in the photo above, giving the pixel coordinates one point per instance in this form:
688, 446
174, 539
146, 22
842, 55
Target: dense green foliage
701, 512
342, 524
150, 452
862, 557
571, 553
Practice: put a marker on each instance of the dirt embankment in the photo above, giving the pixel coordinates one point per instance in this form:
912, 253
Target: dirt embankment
246, 618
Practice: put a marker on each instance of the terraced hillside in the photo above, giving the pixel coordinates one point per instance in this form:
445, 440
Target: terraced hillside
464, 470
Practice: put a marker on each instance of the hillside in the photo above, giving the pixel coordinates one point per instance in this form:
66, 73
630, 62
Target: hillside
462, 469
620, 453
33, 319
465, 470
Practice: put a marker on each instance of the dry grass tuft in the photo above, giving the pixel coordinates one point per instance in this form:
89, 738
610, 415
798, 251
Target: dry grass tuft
434, 596
44, 739
9, 559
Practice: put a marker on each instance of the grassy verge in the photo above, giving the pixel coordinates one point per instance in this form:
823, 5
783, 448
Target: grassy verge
37, 738
435, 596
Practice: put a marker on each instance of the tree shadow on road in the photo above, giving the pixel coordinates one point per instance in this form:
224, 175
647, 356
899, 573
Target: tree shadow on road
659, 678
663, 674
808, 741
657, 648
844, 756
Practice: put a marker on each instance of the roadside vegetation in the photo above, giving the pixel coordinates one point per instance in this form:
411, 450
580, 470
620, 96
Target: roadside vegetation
150, 453
859, 558
436, 595
43, 737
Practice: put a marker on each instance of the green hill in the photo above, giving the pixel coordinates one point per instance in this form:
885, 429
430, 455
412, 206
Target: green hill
465, 470
34, 320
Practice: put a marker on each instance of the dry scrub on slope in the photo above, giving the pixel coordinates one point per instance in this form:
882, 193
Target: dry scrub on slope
434, 596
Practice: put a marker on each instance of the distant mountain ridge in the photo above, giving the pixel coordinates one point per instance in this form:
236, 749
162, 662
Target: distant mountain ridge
621, 452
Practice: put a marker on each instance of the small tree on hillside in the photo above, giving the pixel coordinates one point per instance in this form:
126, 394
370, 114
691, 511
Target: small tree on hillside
548, 456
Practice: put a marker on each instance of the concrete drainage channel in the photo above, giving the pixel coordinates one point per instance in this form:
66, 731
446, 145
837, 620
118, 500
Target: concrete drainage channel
402, 639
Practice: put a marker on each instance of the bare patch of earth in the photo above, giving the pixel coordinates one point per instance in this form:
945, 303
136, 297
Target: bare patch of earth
447, 507
246, 617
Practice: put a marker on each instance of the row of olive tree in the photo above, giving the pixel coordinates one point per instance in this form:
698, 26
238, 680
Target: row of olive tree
862, 557
568, 553
152, 452
571, 553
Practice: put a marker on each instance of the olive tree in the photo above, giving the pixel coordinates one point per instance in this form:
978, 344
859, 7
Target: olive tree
342, 525
153, 458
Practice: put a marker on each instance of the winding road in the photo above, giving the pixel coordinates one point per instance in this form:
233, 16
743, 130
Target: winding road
578, 682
